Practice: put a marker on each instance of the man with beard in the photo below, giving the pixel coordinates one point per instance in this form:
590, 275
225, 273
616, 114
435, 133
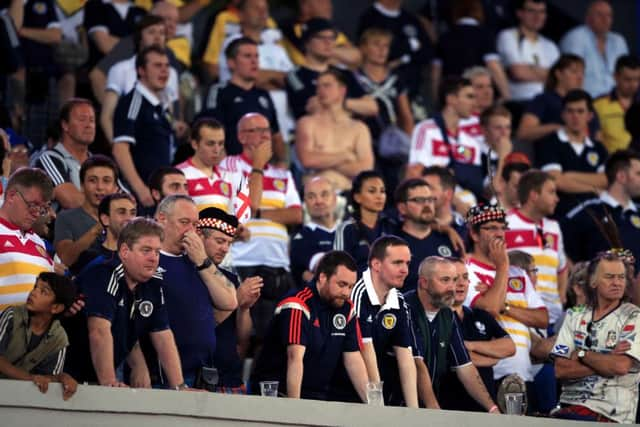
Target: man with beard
509, 295
311, 331
416, 205
438, 333
385, 323
485, 341
76, 229
233, 327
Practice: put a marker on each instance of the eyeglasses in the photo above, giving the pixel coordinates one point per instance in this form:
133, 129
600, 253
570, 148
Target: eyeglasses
422, 200
35, 207
533, 270
257, 130
494, 228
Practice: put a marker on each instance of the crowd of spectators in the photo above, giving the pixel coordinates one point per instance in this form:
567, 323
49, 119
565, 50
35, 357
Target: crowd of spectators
446, 204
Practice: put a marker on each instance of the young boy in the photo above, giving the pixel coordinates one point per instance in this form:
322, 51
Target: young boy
32, 341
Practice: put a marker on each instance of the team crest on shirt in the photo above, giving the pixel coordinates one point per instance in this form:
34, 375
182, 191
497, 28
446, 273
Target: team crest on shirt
549, 241
635, 220
389, 321
592, 158
481, 328
279, 184
42, 251
145, 308
516, 284
444, 251
224, 188
40, 8
612, 339
339, 321
263, 102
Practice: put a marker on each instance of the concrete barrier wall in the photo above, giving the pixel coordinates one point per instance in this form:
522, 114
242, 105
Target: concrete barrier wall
21, 404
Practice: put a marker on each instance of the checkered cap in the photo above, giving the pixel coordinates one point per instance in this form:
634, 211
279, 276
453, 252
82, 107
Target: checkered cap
479, 214
218, 219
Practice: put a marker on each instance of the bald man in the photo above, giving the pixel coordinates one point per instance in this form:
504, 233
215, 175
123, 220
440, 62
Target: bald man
316, 237
266, 253
598, 46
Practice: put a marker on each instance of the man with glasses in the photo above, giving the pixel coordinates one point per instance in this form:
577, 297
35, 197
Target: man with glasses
506, 292
22, 253
416, 206
266, 253
597, 350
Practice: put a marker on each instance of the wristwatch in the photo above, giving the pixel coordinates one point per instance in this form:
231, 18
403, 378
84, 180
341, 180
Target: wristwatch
205, 264
506, 308
581, 354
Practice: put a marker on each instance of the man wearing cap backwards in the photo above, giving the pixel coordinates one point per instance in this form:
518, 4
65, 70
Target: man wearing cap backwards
193, 286
319, 39
233, 331
509, 295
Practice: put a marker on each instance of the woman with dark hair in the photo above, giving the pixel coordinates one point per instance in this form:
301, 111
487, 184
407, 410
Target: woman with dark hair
542, 116
366, 202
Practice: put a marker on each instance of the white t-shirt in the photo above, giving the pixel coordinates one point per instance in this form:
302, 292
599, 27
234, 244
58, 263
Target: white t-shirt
615, 397
514, 48
122, 78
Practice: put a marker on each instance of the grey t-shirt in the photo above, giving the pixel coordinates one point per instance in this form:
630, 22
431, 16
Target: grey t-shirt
71, 224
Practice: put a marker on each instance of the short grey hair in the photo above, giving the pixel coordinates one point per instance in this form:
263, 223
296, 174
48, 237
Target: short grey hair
428, 265
167, 204
475, 71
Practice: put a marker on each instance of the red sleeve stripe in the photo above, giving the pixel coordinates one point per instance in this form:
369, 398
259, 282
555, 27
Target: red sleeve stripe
294, 327
359, 335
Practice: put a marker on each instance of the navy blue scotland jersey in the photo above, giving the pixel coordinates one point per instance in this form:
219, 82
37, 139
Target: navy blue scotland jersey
132, 313
303, 318
307, 247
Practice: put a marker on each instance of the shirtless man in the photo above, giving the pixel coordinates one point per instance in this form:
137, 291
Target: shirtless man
329, 142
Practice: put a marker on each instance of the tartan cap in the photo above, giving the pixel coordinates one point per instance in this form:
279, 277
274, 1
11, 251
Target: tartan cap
479, 214
218, 219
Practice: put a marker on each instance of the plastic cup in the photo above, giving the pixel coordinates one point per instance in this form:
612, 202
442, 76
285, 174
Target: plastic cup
514, 403
269, 388
374, 393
